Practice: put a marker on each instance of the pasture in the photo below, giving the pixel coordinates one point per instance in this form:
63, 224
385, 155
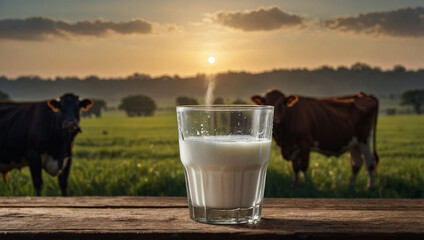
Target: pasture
116, 155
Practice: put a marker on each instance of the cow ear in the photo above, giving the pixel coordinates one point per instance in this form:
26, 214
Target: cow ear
258, 100
86, 104
53, 104
291, 100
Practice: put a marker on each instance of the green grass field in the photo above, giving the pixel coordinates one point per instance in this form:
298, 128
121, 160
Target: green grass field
116, 155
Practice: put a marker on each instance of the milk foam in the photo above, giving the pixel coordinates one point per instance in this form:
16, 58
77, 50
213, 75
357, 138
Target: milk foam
225, 171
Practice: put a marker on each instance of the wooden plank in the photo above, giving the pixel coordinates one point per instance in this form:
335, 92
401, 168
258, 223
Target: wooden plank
94, 202
134, 202
156, 218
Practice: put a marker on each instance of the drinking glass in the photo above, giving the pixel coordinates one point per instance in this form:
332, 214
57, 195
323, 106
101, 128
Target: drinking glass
225, 151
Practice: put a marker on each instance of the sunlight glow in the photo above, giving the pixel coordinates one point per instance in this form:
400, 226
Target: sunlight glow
211, 60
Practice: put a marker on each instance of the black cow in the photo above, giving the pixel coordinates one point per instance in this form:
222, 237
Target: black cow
40, 135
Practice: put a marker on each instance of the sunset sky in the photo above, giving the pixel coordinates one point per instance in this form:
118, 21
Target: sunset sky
117, 38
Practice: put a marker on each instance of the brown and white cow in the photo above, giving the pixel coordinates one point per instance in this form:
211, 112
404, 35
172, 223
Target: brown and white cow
330, 126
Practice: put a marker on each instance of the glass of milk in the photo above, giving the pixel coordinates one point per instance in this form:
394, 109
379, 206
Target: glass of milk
225, 151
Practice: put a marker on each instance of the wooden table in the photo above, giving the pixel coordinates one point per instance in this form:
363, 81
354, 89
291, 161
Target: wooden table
167, 218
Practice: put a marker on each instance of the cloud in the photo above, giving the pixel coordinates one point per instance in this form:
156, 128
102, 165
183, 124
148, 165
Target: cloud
262, 19
41, 28
404, 22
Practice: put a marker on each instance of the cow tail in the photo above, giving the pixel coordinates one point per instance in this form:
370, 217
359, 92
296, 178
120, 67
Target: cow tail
374, 144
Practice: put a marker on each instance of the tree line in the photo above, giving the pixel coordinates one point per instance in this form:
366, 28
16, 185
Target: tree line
184, 100
143, 105
323, 81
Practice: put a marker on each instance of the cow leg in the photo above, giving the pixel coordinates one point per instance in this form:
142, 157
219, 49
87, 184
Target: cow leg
304, 161
34, 160
296, 167
356, 160
63, 179
369, 160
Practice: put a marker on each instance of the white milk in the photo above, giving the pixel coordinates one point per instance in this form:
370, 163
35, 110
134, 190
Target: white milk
225, 171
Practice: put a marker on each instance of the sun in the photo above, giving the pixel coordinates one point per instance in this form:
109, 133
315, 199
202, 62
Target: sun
211, 60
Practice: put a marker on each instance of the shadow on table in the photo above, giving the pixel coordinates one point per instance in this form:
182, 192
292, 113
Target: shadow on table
329, 229
299, 224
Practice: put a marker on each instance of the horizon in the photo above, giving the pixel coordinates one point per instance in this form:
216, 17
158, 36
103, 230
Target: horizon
172, 75
116, 39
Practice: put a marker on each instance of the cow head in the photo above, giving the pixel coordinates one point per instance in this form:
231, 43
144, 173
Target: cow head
69, 107
277, 99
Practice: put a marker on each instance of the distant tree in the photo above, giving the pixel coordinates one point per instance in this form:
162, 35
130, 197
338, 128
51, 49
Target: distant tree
399, 68
96, 109
342, 68
415, 98
326, 68
218, 100
4, 96
377, 69
138, 105
184, 100
92, 78
201, 76
138, 76
360, 67
239, 101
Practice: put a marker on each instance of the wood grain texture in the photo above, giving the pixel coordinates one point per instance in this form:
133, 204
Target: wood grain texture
167, 218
